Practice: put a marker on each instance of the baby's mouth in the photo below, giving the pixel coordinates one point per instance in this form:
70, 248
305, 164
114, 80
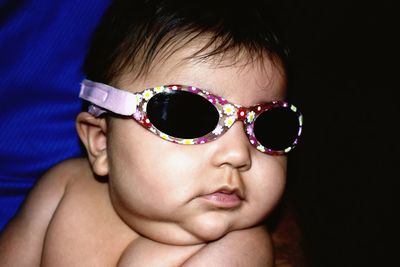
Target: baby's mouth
224, 198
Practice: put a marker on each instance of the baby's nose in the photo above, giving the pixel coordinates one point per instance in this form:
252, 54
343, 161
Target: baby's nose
233, 148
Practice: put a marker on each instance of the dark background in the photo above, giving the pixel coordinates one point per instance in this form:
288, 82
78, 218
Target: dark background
343, 177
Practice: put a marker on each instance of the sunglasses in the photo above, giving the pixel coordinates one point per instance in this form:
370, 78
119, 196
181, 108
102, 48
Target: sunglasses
189, 115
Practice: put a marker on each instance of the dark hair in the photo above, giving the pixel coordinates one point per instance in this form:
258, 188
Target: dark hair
133, 32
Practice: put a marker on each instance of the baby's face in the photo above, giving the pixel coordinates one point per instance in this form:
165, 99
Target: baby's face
188, 194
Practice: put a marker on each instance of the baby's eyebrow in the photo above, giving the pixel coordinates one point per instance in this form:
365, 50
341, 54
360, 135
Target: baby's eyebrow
210, 89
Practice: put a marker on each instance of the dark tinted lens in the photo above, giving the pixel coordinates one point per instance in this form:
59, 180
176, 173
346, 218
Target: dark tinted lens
182, 114
277, 128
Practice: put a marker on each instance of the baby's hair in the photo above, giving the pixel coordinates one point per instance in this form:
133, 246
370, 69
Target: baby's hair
133, 33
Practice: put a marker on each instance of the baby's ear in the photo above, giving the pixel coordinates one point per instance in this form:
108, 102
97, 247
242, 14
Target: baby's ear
93, 133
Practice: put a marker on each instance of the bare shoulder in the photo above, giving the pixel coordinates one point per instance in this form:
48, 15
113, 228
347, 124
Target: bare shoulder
249, 247
51, 187
22, 240
67, 170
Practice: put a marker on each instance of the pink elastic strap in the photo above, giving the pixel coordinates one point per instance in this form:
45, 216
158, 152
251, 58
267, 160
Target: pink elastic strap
109, 98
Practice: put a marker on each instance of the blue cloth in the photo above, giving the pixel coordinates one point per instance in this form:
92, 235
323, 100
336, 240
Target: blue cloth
42, 47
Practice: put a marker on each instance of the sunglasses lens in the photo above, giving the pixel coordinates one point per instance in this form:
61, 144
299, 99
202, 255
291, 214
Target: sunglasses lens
277, 128
182, 114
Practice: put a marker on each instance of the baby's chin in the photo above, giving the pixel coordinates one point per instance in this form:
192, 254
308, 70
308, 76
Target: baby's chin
214, 225
179, 236
191, 232
210, 230
202, 231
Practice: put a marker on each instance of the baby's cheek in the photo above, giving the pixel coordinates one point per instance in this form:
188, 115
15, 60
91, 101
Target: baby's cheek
265, 193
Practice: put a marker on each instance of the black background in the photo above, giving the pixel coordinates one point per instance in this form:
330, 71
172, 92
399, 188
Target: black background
344, 176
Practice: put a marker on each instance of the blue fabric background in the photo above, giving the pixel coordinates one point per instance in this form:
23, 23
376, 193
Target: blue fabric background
42, 46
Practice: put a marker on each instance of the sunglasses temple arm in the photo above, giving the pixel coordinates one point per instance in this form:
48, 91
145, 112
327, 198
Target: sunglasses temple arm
109, 98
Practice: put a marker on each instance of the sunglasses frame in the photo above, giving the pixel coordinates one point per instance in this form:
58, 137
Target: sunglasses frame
107, 98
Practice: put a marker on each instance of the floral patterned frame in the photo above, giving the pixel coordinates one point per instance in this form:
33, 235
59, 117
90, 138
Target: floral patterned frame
105, 97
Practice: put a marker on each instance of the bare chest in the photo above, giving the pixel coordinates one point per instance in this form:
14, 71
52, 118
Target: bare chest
86, 231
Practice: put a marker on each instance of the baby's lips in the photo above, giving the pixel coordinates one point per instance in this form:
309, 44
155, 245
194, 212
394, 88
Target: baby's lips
224, 198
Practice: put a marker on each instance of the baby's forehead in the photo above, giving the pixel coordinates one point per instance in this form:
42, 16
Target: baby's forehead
228, 75
199, 48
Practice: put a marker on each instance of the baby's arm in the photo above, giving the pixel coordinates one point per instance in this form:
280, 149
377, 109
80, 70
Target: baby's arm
243, 248
21, 243
250, 247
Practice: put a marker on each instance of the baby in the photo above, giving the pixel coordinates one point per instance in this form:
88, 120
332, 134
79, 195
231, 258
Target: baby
186, 137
